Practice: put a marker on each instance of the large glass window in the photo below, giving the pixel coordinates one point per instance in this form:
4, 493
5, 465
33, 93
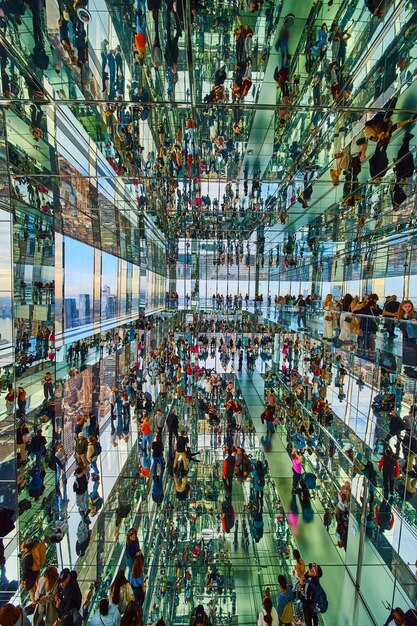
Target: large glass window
79, 273
109, 301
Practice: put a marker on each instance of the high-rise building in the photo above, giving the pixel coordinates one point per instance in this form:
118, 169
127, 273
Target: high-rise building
84, 308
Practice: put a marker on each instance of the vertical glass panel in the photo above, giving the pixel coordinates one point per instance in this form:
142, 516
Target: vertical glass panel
109, 294
78, 284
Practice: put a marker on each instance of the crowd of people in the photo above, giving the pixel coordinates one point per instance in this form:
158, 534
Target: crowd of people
357, 321
178, 368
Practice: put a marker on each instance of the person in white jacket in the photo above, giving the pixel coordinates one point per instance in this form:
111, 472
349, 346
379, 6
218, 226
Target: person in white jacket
268, 616
107, 614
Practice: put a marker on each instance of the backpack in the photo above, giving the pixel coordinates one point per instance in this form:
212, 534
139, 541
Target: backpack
320, 597
309, 480
38, 555
287, 615
410, 618
97, 448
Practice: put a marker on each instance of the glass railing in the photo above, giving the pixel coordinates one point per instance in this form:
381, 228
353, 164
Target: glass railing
385, 341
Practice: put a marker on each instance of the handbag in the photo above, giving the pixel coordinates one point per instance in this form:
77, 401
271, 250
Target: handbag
328, 318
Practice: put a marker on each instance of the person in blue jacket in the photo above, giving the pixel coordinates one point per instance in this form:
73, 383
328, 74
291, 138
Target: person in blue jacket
131, 548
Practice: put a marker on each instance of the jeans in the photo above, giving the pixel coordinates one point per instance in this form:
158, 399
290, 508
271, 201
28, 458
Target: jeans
302, 318
295, 479
270, 427
156, 460
388, 485
146, 441
283, 46
94, 467
38, 456
94, 493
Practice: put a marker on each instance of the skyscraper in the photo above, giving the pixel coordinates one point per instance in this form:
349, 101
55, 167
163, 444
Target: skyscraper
84, 308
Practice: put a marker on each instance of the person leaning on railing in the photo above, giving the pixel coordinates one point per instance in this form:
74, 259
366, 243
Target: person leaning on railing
408, 324
369, 312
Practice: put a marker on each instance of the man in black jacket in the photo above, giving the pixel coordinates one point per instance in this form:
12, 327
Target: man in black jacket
172, 425
38, 447
396, 426
181, 450
80, 487
301, 304
69, 594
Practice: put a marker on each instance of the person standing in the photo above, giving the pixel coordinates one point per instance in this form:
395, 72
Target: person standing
228, 472
328, 308
297, 469
396, 427
159, 421
137, 578
81, 449
239, 369
80, 488
301, 306
181, 449
10, 400
172, 425
390, 468
131, 548
369, 311
389, 313
22, 432
268, 616
146, 431
48, 386
21, 401
93, 452
285, 608
113, 401
408, 324
69, 596
38, 447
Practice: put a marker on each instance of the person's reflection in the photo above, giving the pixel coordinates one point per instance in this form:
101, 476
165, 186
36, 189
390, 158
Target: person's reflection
83, 536
145, 469
7, 525
61, 501
293, 515
266, 441
181, 486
